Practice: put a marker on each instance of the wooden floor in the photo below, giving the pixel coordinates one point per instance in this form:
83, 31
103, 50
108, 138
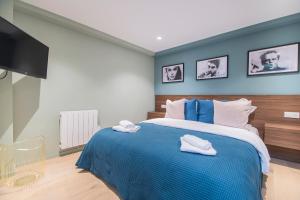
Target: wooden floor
62, 181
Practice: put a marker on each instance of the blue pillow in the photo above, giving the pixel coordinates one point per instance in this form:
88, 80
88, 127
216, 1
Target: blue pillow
206, 111
190, 110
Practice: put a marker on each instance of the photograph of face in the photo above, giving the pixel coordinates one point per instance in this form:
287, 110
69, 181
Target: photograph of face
173, 73
273, 60
212, 68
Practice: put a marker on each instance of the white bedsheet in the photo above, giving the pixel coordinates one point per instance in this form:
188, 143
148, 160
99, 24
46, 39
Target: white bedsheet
236, 133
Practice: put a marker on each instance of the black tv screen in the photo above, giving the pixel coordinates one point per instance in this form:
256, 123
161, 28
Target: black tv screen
19, 52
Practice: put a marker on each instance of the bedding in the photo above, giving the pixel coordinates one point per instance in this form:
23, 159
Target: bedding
206, 111
190, 110
233, 114
175, 109
241, 101
252, 129
149, 165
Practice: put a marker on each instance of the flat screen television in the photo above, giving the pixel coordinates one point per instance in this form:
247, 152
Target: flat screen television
19, 52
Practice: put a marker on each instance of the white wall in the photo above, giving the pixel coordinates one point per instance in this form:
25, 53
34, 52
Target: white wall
83, 73
6, 89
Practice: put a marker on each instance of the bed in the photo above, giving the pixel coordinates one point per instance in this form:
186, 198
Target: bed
148, 165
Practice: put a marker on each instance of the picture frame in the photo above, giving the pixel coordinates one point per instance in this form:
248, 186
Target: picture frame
173, 73
212, 68
274, 60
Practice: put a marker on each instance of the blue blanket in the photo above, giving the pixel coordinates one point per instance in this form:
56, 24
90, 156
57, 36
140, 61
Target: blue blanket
148, 165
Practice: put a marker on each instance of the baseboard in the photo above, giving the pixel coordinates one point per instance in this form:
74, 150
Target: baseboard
71, 150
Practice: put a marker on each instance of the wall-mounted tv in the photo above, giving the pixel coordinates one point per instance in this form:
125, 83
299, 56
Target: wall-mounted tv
19, 52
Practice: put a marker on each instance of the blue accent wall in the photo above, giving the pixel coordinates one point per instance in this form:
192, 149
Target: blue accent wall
236, 44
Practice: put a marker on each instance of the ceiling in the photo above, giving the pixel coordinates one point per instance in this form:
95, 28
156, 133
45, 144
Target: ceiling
178, 22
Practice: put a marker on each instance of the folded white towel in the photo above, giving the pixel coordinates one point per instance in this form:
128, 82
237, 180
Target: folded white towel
126, 130
186, 147
197, 142
127, 124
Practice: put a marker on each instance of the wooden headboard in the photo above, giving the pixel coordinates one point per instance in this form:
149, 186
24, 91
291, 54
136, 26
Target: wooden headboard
270, 108
270, 111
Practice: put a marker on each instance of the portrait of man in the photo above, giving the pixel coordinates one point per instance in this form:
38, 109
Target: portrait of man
270, 61
273, 60
212, 68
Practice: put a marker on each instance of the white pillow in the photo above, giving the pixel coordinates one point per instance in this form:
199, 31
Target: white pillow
175, 109
241, 101
233, 114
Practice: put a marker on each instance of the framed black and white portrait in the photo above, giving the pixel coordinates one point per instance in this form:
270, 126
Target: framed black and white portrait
274, 60
212, 68
173, 73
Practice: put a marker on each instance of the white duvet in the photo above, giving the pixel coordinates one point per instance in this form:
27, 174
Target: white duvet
237, 133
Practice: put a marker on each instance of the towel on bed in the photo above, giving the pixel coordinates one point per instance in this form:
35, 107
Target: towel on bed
187, 147
126, 127
197, 142
126, 130
127, 124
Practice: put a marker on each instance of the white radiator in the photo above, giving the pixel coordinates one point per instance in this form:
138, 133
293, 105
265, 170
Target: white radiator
77, 127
